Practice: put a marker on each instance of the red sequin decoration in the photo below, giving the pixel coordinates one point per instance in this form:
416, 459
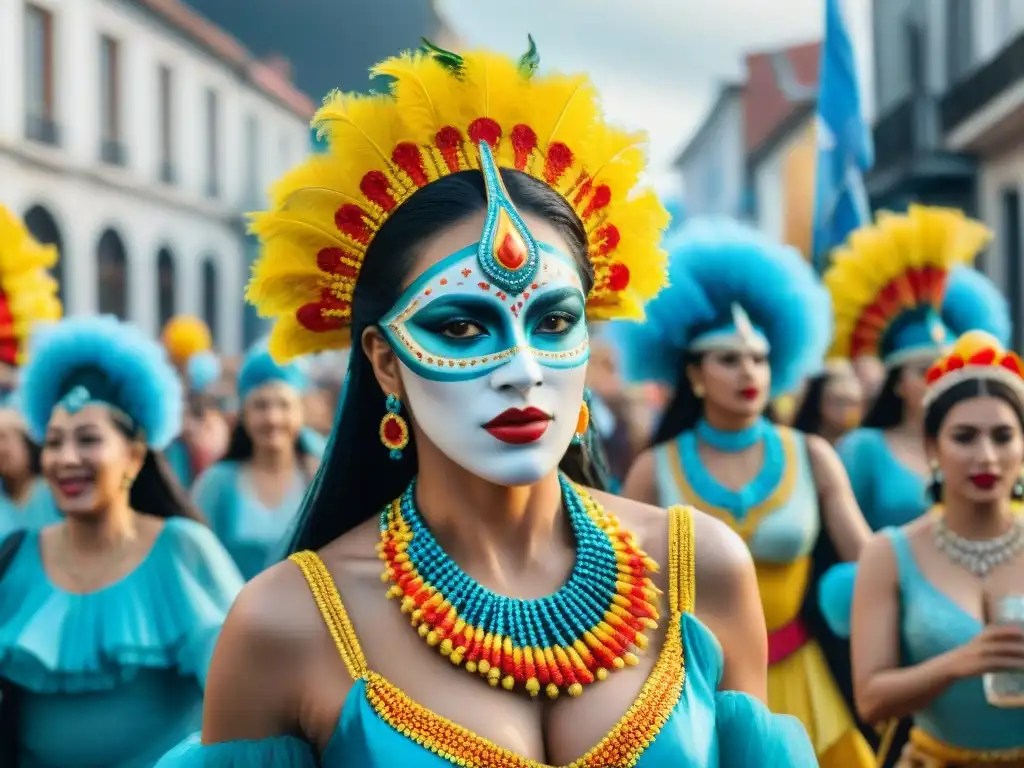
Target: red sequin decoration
408, 157
448, 140
602, 196
524, 141
618, 277
377, 190
351, 220
609, 237
484, 129
333, 262
557, 162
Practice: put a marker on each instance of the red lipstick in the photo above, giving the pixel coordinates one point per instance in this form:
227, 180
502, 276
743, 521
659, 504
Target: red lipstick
984, 480
750, 393
519, 427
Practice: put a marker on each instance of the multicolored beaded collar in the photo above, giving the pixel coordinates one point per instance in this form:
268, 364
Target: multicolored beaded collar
561, 642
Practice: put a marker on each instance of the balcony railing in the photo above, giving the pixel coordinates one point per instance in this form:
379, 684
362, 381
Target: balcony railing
986, 82
907, 130
42, 129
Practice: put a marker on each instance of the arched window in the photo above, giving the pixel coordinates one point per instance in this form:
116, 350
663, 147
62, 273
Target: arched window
112, 275
43, 226
165, 295
209, 288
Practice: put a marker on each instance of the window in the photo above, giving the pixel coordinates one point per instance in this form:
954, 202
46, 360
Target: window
112, 275
959, 39
110, 101
212, 143
166, 107
165, 298
39, 76
209, 278
252, 156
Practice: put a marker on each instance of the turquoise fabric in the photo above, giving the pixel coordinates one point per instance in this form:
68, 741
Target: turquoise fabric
706, 728
114, 678
38, 510
313, 442
177, 456
933, 624
254, 535
889, 493
785, 534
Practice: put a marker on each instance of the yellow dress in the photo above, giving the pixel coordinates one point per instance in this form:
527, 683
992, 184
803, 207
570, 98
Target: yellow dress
777, 515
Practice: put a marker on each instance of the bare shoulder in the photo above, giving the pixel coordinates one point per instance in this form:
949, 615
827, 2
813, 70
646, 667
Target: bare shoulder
641, 480
877, 559
723, 566
818, 448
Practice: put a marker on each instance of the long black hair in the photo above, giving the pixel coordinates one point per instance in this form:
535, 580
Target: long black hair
937, 411
356, 477
889, 408
808, 417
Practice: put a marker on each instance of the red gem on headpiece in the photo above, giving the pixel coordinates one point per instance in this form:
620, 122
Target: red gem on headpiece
448, 140
609, 237
484, 129
350, 220
982, 357
312, 316
377, 190
1013, 363
524, 141
954, 363
618, 277
408, 157
602, 196
933, 374
333, 261
558, 161
512, 253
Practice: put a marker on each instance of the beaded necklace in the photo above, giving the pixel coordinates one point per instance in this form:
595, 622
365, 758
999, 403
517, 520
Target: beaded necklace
560, 642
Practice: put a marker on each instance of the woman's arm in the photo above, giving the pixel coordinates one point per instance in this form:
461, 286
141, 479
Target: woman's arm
882, 689
729, 603
641, 482
840, 513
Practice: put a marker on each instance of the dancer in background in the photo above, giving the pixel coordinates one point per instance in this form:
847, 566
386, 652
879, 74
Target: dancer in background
28, 297
460, 231
252, 494
832, 402
900, 294
108, 618
744, 318
930, 595
205, 432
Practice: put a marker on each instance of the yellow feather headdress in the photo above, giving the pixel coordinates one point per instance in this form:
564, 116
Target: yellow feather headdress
383, 148
28, 293
184, 336
889, 280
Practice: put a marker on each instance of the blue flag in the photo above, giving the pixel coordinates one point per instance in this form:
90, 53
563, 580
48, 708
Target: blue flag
845, 150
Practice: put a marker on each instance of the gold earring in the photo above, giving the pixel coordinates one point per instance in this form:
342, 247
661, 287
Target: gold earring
698, 391
582, 422
127, 482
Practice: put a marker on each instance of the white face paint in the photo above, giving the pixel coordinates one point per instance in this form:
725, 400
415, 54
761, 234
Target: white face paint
494, 380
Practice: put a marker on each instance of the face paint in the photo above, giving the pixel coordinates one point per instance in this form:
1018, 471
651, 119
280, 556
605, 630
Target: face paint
492, 342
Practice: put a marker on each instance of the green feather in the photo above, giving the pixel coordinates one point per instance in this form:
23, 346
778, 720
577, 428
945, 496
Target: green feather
451, 61
530, 60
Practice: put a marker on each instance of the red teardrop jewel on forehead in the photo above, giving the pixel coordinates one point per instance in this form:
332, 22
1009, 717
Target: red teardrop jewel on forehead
511, 252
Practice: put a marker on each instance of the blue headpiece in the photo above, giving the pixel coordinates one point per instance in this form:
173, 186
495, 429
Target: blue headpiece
973, 303
259, 368
203, 371
87, 360
730, 288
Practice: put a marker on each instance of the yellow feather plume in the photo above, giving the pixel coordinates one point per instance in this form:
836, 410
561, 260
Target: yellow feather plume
27, 289
896, 264
383, 148
184, 336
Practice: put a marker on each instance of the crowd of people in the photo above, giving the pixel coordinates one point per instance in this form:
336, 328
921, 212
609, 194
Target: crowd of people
775, 514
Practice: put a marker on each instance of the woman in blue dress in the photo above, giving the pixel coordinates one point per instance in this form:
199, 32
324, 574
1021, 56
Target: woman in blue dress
902, 291
25, 500
927, 625
832, 402
109, 617
743, 320
205, 431
251, 496
460, 231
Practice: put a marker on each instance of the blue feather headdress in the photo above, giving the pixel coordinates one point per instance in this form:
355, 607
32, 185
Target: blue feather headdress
729, 283
972, 302
203, 371
258, 368
87, 360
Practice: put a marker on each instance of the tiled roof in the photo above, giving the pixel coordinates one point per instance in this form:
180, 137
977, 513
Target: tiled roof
766, 107
264, 76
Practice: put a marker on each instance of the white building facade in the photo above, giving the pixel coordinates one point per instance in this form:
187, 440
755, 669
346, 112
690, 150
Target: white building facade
134, 135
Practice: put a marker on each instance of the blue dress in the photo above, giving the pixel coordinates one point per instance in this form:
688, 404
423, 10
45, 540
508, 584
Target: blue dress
691, 724
889, 493
37, 511
114, 678
253, 534
177, 456
933, 624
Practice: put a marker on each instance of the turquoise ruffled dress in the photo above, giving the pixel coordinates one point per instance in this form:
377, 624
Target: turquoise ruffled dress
37, 511
114, 678
889, 493
693, 724
254, 534
177, 456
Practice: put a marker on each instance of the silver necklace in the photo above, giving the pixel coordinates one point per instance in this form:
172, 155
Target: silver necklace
980, 557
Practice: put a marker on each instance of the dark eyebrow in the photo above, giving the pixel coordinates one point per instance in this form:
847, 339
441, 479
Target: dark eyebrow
444, 307
552, 299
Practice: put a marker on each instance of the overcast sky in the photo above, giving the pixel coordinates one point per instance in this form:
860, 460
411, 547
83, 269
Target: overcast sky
656, 62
